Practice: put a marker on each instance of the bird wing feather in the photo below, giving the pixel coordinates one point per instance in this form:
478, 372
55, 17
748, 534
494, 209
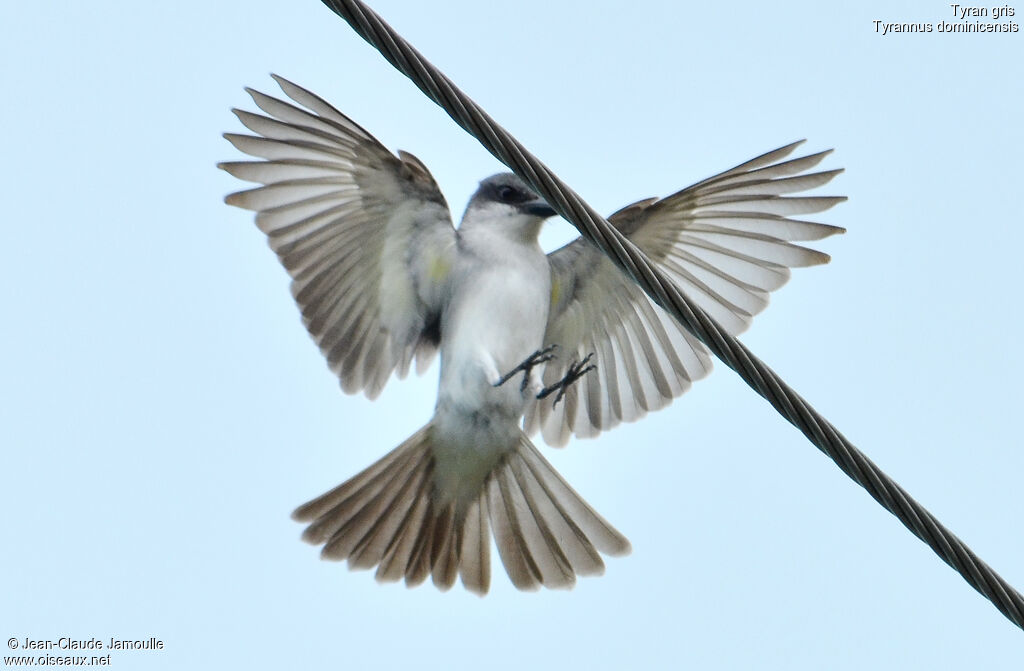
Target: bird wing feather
727, 242
365, 235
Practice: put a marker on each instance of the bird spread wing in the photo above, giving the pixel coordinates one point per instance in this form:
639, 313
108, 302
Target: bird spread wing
365, 235
726, 241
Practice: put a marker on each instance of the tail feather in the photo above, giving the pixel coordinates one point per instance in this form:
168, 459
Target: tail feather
578, 551
519, 564
353, 520
372, 548
446, 550
569, 546
535, 526
391, 516
399, 553
573, 508
476, 548
325, 502
419, 564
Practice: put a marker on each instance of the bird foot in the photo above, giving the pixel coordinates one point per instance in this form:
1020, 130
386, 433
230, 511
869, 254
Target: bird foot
577, 369
535, 359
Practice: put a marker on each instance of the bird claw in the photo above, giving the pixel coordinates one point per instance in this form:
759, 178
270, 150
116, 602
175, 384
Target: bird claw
535, 359
577, 369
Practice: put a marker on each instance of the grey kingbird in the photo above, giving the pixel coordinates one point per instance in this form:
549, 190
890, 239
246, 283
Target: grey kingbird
384, 279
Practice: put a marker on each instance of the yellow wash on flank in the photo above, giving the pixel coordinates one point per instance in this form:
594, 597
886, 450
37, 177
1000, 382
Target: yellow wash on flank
556, 290
439, 268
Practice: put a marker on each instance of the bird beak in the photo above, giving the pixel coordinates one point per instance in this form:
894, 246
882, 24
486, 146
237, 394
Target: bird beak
538, 208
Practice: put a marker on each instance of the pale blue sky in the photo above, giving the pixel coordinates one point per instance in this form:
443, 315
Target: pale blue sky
163, 410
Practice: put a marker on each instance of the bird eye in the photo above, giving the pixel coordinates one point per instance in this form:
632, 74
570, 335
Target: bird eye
507, 194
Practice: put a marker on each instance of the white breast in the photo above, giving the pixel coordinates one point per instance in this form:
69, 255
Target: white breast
495, 317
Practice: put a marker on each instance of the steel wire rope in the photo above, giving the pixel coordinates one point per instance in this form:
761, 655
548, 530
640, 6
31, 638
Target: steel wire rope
728, 349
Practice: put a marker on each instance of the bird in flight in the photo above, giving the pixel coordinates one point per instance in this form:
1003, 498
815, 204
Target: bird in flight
562, 343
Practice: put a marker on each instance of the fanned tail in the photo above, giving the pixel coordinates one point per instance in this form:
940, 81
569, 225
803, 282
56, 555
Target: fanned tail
392, 517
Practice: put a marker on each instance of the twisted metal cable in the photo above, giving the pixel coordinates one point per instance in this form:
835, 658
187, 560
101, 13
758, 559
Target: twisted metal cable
733, 353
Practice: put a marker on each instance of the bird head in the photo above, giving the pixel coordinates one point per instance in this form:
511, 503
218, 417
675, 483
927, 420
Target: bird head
507, 202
